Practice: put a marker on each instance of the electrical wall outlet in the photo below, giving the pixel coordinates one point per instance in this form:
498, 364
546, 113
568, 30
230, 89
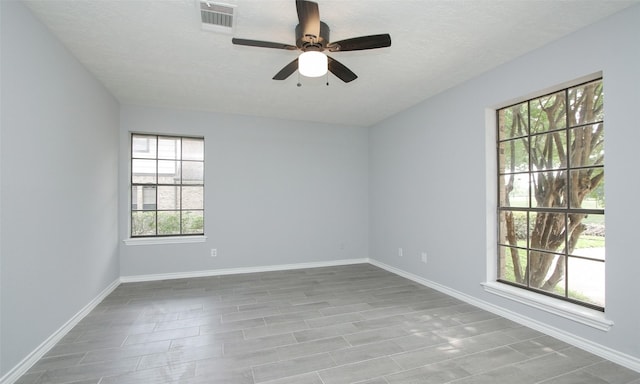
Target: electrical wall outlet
214, 252
424, 257
400, 252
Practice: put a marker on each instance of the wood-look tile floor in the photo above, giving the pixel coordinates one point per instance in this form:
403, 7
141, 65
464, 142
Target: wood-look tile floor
334, 325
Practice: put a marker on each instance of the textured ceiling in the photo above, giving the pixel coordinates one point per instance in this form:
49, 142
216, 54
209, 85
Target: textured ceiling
155, 53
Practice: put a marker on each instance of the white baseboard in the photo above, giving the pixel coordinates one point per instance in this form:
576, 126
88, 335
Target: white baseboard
235, 271
617, 357
21, 368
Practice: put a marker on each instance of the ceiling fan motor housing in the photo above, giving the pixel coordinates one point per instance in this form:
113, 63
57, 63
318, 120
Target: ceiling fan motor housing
311, 42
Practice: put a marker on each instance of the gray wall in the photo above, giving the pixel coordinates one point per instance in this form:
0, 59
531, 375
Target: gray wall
59, 169
276, 192
429, 188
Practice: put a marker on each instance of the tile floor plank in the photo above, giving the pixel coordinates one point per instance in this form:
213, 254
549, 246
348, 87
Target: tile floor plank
352, 324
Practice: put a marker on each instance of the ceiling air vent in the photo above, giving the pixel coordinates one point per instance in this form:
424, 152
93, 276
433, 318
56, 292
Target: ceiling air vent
216, 16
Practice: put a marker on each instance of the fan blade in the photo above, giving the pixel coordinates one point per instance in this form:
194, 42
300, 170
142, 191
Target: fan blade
287, 70
342, 72
361, 43
309, 18
262, 44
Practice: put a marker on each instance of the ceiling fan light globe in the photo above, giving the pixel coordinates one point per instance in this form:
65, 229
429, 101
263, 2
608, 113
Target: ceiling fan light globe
312, 64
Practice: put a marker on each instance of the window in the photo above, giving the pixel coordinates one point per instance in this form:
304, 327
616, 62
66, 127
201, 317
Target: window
167, 185
551, 229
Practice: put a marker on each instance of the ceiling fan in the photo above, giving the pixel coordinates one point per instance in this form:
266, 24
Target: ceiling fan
312, 38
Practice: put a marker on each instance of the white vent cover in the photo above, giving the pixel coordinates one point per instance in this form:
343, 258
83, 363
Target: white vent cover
217, 17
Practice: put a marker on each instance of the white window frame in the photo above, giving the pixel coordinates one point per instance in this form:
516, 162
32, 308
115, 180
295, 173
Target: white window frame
574, 312
154, 240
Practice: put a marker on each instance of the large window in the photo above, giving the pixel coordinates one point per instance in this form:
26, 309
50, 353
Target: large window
551, 228
167, 185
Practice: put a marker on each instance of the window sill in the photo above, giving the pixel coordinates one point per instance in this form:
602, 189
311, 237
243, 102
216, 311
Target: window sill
574, 312
165, 240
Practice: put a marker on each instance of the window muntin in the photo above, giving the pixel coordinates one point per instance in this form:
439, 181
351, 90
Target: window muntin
167, 185
550, 194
